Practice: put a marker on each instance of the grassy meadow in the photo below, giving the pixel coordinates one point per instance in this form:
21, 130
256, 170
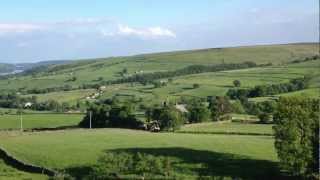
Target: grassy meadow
39, 120
198, 154
228, 128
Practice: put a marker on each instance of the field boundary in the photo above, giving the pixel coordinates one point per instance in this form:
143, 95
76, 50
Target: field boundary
20, 165
225, 133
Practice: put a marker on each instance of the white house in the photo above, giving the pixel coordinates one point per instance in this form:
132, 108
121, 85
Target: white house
28, 104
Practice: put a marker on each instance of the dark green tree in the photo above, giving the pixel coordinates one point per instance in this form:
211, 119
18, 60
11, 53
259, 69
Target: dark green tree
219, 106
297, 135
198, 112
236, 83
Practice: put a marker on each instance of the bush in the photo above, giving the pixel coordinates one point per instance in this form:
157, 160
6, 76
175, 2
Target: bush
131, 165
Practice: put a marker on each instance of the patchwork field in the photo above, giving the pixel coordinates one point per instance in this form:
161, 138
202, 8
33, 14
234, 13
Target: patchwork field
238, 149
109, 68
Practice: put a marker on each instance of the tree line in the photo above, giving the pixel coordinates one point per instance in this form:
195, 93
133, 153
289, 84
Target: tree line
265, 90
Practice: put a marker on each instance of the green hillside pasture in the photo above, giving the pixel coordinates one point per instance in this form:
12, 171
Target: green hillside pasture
65, 96
228, 128
109, 68
39, 120
216, 83
215, 155
10, 173
275, 54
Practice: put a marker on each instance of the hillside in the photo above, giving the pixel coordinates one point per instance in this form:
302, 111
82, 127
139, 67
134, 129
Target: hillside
90, 71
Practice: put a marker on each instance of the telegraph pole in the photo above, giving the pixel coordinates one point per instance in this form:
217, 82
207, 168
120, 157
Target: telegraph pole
90, 114
21, 123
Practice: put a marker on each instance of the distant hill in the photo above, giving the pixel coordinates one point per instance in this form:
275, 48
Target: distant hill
6, 68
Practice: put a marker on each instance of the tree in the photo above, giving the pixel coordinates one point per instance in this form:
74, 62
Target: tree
170, 119
111, 114
297, 135
124, 70
237, 107
219, 106
198, 112
195, 86
236, 83
264, 118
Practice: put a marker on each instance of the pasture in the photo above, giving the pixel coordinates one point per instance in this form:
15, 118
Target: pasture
109, 68
74, 151
228, 128
39, 120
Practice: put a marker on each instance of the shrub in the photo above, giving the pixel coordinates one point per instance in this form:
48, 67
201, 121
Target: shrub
115, 165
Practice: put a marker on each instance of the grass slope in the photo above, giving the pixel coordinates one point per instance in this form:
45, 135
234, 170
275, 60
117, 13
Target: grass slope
228, 128
216, 155
39, 120
109, 68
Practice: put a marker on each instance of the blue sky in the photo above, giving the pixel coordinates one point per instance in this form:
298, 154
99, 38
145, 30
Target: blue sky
37, 30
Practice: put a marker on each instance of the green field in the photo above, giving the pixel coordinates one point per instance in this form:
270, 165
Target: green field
228, 128
216, 155
39, 120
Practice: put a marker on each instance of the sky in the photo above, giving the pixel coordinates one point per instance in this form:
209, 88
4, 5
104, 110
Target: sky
39, 30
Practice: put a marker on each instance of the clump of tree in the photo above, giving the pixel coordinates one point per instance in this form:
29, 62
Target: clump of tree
111, 114
265, 90
236, 83
297, 136
167, 117
198, 112
219, 107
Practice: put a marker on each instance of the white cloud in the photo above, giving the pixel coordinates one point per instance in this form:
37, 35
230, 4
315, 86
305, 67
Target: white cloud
71, 28
151, 32
19, 27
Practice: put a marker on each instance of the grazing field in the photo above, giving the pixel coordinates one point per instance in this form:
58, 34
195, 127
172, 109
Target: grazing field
39, 120
228, 128
109, 68
9, 173
77, 150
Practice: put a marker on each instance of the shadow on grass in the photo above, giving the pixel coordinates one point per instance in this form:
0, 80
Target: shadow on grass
212, 164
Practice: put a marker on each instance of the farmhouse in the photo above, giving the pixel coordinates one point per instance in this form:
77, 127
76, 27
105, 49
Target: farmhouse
28, 104
182, 108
